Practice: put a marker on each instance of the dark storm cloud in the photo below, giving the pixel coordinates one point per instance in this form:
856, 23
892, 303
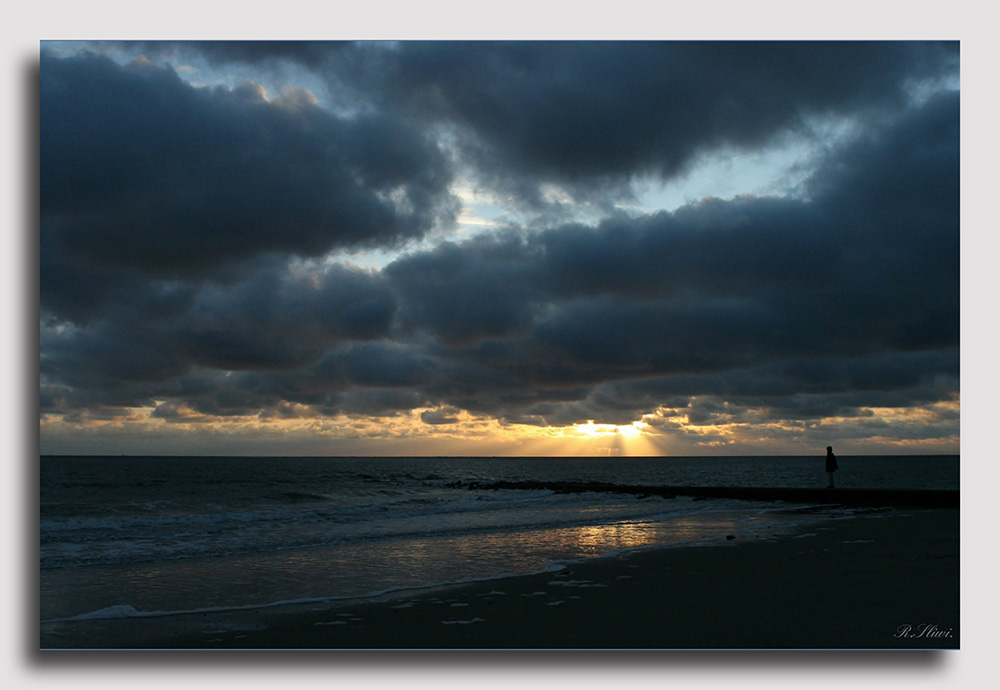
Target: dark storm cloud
170, 213
589, 116
272, 321
586, 114
797, 392
481, 289
381, 364
384, 402
78, 291
141, 170
719, 286
278, 321
828, 385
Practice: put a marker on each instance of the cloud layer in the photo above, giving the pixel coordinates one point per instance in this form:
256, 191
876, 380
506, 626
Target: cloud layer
190, 237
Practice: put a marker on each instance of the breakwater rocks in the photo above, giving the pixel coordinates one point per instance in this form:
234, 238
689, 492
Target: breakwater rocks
890, 498
571, 487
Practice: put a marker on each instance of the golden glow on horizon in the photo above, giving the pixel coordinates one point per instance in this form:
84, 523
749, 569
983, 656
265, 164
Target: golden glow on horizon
663, 432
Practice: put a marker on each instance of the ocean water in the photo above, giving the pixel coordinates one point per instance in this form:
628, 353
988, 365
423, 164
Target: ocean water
148, 538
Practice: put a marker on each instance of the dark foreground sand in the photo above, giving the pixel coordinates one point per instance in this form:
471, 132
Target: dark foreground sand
885, 580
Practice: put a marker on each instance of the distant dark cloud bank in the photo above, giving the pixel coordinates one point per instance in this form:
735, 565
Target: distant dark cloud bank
201, 245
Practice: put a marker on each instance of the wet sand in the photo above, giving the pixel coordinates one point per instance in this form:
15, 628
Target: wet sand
885, 580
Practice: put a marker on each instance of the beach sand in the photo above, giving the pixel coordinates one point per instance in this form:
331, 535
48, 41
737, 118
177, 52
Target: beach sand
838, 584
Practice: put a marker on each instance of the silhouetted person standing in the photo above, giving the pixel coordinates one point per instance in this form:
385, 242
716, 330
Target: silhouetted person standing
831, 464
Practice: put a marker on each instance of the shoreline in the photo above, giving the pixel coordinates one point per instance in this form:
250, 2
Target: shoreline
847, 583
125, 616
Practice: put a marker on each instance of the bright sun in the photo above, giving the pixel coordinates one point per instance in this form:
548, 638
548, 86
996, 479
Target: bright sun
598, 430
616, 439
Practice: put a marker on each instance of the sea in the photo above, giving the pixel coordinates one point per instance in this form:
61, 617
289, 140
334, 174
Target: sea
157, 537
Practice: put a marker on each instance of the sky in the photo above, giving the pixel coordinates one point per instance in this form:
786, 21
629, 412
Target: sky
499, 247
